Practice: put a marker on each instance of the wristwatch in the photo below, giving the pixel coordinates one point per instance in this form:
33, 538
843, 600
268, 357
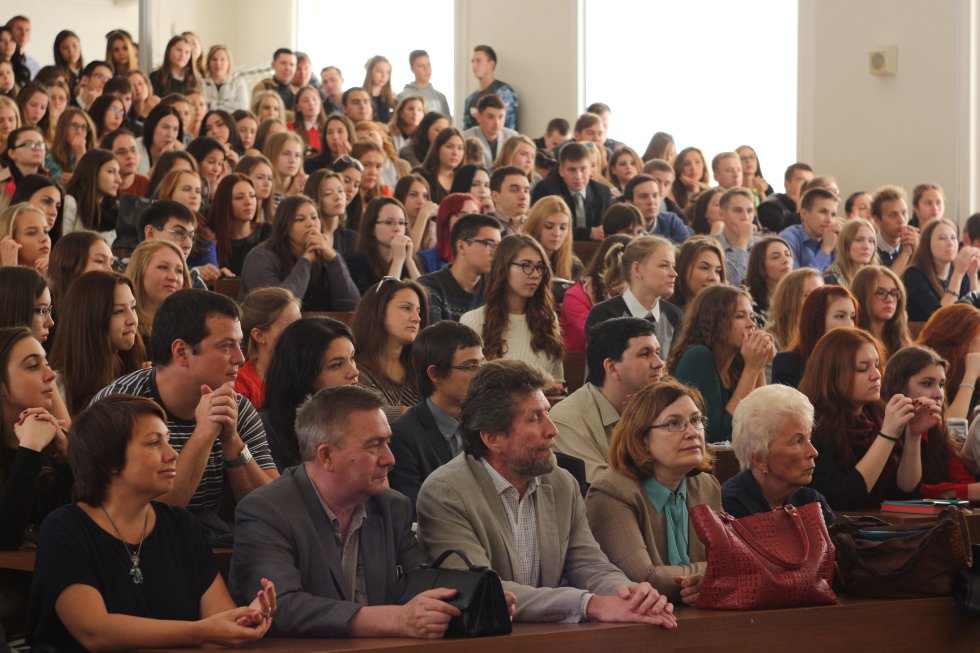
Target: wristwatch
244, 457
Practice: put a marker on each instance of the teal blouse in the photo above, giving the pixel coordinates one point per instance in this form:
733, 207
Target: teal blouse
673, 506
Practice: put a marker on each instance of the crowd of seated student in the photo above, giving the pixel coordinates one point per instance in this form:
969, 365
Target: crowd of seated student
311, 200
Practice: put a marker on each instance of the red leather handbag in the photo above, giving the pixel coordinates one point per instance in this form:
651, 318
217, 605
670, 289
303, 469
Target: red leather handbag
776, 559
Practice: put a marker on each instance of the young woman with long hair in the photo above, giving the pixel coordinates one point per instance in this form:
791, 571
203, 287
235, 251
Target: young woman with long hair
266, 312
387, 320
259, 169
268, 104
752, 173
954, 333
91, 198
451, 209
108, 113
222, 89
383, 246
326, 188
163, 132
311, 354
940, 271
881, 302
519, 151
445, 156
120, 53
518, 317
74, 255
405, 120
601, 279
178, 73
721, 353
33, 104
550, 223
624, 164
44, 193
372, 160
700, 264
212, 163
690, 175
248, 127
413, 192
157, 270
393, 167
418, 146
377, 82
870, 450
285, 151
24, 237
351, 171
310, 119
298, 257
24, 155
919, 373
73, 137
337, 136
98, 340
9, 118
219, 125
68, 56
232, 217
58, 97
857, 247
770, 259
703, 212
824, 309
783, 317
474, 179
144, 100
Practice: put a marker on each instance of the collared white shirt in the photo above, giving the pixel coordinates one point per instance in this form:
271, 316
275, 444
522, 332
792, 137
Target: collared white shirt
637, 309
523, 524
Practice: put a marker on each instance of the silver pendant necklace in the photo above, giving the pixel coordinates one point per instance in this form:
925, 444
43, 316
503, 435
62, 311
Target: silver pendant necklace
135, 573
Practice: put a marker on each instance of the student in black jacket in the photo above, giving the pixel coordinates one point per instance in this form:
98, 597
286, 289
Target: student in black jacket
573, 178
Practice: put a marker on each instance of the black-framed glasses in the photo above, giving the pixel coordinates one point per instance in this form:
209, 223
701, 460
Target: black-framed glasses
894, 293
31, 145
469, 367
489, 243
699, 422
530, 268
346, 161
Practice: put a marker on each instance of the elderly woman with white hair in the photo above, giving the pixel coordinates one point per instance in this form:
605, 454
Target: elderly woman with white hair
771, 431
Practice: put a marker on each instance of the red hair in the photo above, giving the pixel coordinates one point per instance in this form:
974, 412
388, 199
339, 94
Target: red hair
450, 205
813, 318
950, 331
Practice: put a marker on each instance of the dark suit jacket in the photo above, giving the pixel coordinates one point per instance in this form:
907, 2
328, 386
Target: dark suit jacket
419, 449
597, 200
282, 533
616, 307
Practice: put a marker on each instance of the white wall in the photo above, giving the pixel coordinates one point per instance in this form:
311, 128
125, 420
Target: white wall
537, 45
914, 127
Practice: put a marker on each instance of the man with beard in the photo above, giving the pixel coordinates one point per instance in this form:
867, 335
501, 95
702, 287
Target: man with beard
506, 505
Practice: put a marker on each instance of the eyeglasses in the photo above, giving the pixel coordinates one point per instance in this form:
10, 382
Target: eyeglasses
530, 268
393, 223
469, 367
78, 126
346, 161
123, 151
44, 311
117, 111
182, 234
699, 422
894, 293
31, 145
102, 78
489, 243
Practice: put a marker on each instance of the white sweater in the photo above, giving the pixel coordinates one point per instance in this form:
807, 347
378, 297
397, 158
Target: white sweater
517, 342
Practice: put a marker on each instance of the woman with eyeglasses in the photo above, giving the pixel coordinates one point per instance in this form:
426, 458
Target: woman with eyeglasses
518, 318
298, 256
721, 353
108, 113
91, 198
24, 237
24, 156
326, 187
941, 272
384, 247
752, 173
881, 302
658, 468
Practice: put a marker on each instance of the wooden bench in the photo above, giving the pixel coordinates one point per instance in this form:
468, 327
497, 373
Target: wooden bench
574, 364
585, 249
918, 625
228, 286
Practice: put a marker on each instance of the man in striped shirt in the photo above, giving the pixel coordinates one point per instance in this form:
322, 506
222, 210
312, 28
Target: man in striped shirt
196, 351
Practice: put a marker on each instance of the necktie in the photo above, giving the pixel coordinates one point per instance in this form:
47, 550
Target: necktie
579, 211
651, 319
455, 443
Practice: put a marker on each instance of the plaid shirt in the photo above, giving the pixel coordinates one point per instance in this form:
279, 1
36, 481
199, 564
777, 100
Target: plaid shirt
523, 524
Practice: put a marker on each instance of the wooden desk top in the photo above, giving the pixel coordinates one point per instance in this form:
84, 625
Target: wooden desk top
915, 625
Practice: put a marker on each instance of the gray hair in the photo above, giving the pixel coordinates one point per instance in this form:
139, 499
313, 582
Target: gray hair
491, 400
322, 418
758, 418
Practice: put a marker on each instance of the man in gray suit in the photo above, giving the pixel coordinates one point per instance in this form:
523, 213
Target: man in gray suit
507, 506
336, 542
490, 128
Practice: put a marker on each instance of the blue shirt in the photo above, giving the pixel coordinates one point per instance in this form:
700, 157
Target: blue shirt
670, 226
806, 250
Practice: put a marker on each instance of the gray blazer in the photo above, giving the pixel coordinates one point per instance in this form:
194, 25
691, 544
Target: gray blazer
459, 508
282, 533
488, 157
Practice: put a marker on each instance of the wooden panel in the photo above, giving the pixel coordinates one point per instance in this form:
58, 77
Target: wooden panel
915, 328
584, 249
855, 625
228, 287
574, 365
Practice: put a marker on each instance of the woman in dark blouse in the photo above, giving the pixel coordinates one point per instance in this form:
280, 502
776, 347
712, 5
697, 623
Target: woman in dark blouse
940, 273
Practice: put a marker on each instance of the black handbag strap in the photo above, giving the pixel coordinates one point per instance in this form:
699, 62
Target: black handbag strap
437, 563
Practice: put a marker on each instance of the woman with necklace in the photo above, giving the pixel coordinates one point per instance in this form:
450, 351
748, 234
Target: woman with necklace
118, 570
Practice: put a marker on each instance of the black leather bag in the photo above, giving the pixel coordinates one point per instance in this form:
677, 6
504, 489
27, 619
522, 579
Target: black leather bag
966, 585
479, 596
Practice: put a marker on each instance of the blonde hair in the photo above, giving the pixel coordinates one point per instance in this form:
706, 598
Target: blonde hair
258, 98
139, 261
371, 126
843, 264
507, 153
544, 208
784, 309
9, 217
214, 49
637, 251
260, 309
8, 103
273, 147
